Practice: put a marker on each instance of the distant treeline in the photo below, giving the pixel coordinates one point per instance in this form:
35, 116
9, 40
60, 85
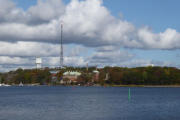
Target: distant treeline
141, 76
36, 76
26, 77
107, 76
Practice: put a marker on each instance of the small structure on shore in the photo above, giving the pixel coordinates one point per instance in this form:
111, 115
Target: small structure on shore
107, 77
95, 76
54, 77
21, 84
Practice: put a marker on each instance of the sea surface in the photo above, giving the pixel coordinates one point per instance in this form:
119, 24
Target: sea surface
89, 103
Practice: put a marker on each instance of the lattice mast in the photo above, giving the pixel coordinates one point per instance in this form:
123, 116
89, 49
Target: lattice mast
61, 47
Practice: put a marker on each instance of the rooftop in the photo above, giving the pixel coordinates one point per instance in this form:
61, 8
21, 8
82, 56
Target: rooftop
73, 73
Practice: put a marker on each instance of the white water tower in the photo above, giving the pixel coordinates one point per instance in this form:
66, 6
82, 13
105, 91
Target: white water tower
38, 63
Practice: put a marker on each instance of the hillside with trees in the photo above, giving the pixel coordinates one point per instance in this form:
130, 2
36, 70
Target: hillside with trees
116, 76
141, 76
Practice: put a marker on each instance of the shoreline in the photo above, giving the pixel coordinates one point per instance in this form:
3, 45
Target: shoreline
147, 86
98, 85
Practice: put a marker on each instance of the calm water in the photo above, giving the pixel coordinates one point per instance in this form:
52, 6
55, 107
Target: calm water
89, 103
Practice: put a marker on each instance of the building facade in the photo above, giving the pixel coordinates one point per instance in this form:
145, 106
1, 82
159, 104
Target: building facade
71, 76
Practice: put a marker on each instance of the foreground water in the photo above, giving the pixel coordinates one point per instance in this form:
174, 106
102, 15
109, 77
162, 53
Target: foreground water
89, 103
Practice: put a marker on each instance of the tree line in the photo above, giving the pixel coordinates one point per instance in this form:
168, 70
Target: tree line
107, 76
141, 76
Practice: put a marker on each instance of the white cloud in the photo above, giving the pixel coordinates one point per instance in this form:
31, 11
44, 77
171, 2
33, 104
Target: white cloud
144, 62
9, 12
115, 57
68, 61
29, 49
21, 32
45, 11
169, 39
5, 60
87, 23
76, 50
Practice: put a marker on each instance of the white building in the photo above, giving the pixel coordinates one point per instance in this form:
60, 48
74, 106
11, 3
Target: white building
71, 75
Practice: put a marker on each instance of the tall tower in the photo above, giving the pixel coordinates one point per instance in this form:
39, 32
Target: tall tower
61, 49
87, 67
38, 63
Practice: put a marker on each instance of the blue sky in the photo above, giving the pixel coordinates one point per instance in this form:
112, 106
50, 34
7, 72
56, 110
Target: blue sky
158, 15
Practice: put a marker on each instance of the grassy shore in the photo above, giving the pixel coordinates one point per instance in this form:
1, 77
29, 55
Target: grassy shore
142, 85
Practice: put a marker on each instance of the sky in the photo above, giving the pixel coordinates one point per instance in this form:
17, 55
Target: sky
101, 33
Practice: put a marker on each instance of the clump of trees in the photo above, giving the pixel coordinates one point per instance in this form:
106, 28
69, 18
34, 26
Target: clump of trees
116, 76
141, 76
27, 77
84, 78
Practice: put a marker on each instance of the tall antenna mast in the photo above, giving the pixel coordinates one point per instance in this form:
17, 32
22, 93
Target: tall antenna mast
61, 51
